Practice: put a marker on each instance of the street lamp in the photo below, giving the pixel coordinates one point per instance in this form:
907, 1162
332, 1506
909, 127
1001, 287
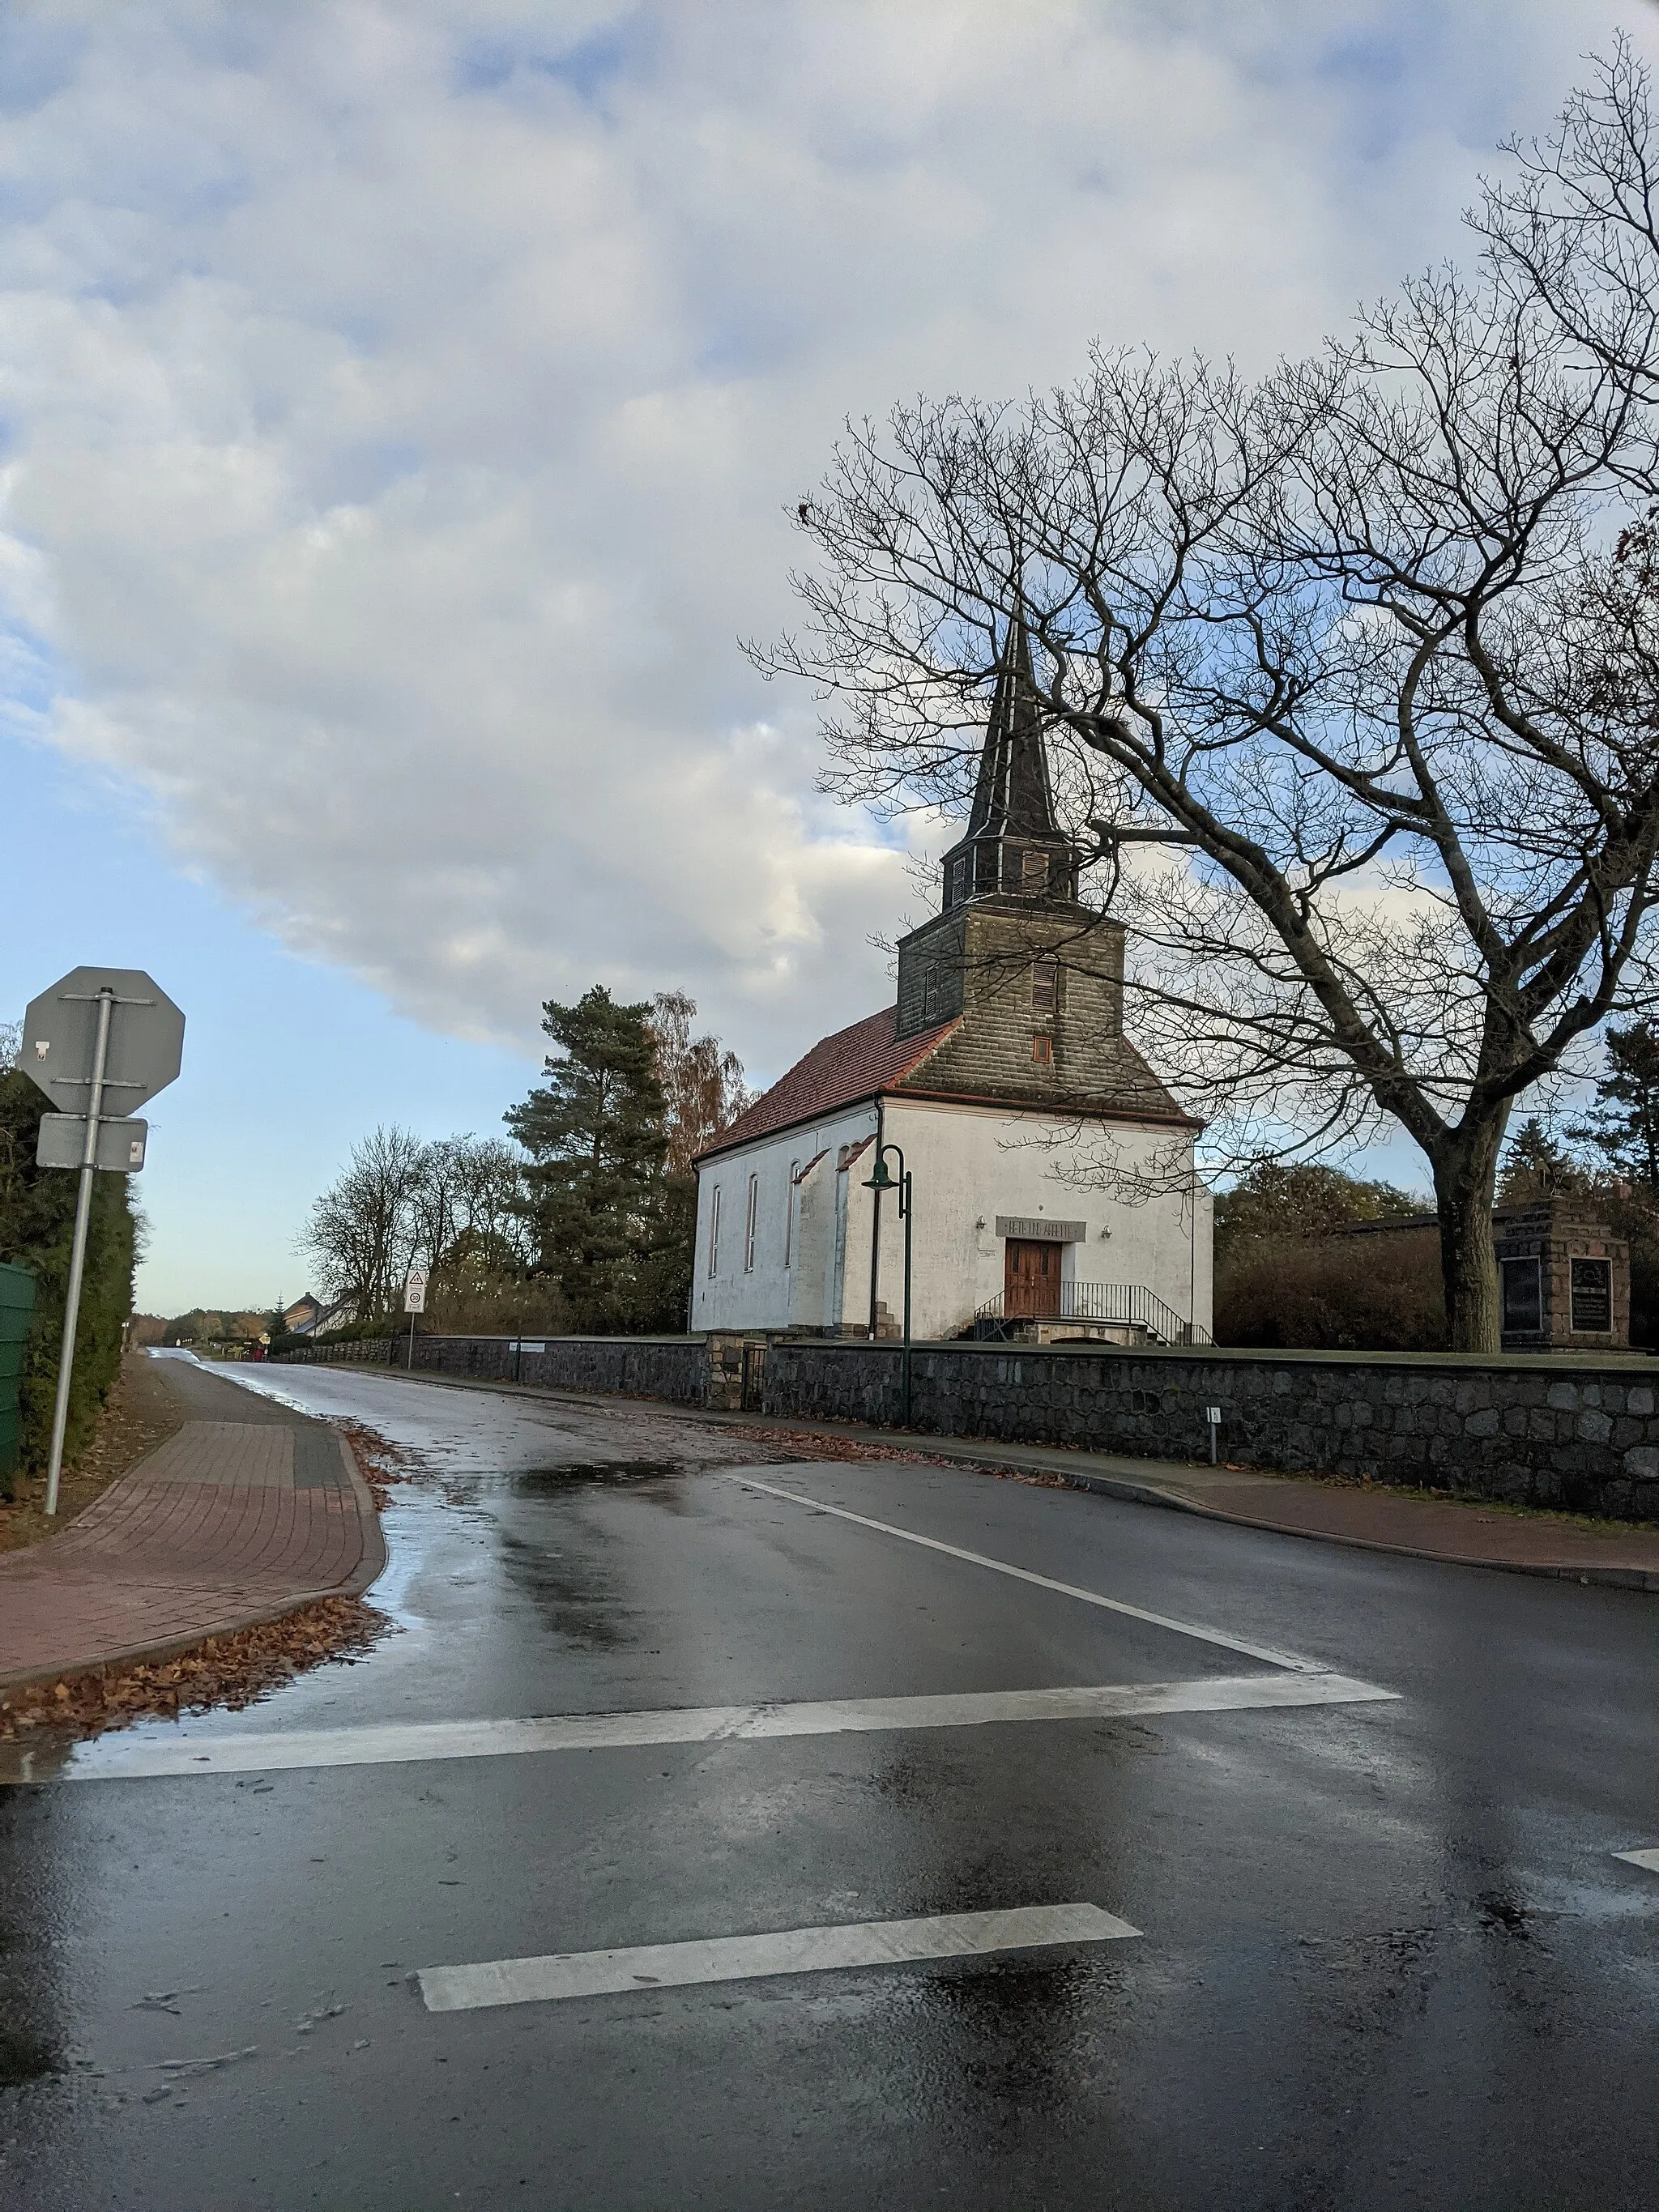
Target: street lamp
882, 1181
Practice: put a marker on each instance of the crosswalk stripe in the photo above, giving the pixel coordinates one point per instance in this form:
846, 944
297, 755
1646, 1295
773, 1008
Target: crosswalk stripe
132, 1759
749, 1958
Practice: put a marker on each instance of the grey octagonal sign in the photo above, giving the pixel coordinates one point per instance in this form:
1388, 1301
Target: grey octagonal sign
60, 1034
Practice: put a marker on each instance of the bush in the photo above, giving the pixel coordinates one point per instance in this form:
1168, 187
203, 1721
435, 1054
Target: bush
1374, 1293
37, 1227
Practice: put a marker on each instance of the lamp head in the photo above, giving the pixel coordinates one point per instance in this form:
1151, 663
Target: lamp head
881, 1180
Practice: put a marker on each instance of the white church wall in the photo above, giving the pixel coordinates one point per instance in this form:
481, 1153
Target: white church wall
969, 1165
798, 1272
810, 1268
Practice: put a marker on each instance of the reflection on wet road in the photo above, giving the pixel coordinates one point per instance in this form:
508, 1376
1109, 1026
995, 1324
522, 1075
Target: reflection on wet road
832, 1884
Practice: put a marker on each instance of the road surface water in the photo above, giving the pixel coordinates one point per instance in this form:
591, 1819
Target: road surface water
724, 1830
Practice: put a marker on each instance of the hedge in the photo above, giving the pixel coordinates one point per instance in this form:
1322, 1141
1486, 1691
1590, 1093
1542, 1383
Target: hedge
37, 1226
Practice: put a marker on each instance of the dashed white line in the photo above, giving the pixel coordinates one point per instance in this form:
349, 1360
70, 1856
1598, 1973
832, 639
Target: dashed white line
749, 1958
116, 1759
1264, 1652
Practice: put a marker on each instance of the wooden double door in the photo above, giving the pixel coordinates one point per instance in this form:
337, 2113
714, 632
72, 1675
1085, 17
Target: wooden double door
1030, 1280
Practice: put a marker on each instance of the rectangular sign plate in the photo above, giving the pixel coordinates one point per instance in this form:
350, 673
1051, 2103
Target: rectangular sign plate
121, 1143
1039, 1229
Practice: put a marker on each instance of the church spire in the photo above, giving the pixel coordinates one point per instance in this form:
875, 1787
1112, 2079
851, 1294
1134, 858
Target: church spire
1013, 844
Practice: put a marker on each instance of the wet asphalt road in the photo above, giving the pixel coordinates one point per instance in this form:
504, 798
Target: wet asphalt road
1387, 1958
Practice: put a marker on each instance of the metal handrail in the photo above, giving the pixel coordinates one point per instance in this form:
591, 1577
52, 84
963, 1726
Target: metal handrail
1131, 1303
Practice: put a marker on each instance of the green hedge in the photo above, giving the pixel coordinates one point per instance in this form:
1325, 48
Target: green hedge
37, 1226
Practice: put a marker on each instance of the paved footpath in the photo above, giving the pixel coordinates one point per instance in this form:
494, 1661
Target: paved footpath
249, 1511
1375, 1517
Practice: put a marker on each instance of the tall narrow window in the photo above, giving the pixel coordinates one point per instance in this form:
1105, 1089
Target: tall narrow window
1045, 986
715, 1230
1042, 1049
959, 889
930, 994
749, 1225
789, 1214
1034, 869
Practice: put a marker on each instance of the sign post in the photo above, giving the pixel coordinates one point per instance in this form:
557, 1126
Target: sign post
97, 1033
414, 1302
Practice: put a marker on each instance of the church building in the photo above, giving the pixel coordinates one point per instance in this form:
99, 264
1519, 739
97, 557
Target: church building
1052, 1185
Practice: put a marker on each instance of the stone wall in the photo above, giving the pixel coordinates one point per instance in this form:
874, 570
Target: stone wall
675, 1367
1554, 1431
1584, 1436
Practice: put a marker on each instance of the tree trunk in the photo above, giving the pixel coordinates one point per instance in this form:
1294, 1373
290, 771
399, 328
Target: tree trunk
1464, 1179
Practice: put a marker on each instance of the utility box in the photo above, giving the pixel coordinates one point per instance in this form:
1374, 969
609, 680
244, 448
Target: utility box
17, 1311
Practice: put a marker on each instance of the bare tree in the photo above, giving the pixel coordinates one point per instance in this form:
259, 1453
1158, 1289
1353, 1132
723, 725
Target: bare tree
466, 1209
11, 1044
1350, 669
363, 1230
702, 1083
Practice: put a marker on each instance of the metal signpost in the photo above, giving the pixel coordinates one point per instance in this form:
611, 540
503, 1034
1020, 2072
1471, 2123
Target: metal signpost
414, 1302
99, 1034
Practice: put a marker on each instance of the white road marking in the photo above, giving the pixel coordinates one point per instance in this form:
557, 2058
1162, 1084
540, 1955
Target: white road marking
1024, 1574
113, 1758
1648, 1860
747, 1958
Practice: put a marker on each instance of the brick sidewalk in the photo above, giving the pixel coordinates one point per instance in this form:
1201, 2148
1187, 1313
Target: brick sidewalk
230, 1522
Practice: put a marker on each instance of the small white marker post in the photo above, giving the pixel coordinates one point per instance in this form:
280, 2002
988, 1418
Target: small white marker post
1212, 1415
414, 1302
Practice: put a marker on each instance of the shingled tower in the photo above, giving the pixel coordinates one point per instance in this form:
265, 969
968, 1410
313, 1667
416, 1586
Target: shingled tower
1013, 844
1033, 976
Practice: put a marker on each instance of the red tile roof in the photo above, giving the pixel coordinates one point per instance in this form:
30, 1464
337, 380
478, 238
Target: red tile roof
839, 1070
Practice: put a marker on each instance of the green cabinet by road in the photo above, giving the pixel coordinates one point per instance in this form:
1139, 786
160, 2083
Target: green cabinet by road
17, 1310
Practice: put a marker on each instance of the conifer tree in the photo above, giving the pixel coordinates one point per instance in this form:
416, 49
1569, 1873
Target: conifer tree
1535, 1166
596, 1136
1623, 1125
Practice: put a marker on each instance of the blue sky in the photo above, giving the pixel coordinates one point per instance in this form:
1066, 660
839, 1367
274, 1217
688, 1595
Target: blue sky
286, 1061
400, 411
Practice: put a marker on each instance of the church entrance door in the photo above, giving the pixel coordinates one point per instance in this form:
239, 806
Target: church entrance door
1030, 1280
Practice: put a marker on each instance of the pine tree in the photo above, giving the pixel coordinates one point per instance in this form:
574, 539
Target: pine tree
597, 1141
1623, 1124
1534, 1166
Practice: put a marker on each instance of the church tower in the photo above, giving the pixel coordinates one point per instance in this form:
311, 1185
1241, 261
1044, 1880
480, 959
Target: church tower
1012, 844
1032, 978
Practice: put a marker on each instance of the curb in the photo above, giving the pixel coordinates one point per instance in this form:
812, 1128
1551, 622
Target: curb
367, 1572
951, 1450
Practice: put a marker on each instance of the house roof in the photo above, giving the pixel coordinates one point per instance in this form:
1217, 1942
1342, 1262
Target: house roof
854, 1063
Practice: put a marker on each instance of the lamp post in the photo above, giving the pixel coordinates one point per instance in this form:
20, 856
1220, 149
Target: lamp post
880, 1181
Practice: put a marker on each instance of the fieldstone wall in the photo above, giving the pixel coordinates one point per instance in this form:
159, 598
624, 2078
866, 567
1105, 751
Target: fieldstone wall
674, 1367
1535, 1432
1554, 1431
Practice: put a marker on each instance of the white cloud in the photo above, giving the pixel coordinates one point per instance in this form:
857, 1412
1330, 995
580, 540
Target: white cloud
402, 403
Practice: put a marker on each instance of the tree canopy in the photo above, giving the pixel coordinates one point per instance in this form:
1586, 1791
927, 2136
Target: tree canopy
1350, 670
596, 1139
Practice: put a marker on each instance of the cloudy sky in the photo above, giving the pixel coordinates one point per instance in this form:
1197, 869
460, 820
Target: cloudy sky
401, 408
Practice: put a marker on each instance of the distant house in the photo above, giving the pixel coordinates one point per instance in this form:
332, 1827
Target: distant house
341, 1314
303, 1315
